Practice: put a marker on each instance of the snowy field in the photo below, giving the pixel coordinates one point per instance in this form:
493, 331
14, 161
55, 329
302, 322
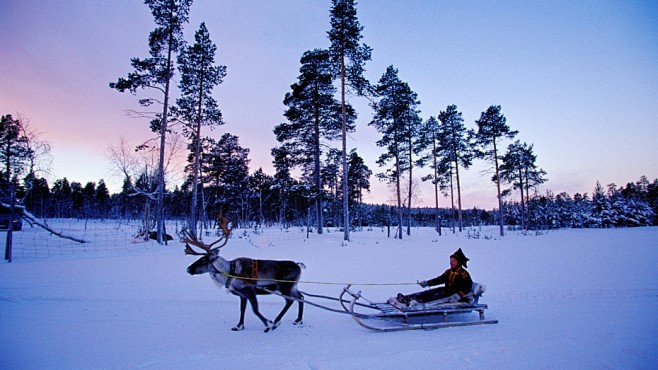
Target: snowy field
566, 299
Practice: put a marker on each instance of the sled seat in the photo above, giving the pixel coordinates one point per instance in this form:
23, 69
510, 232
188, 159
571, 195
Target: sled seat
393, 315
449, 304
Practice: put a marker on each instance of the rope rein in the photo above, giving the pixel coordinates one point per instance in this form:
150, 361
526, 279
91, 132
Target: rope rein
344, 311
232, 276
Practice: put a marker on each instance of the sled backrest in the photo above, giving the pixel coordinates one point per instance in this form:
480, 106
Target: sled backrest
476, 292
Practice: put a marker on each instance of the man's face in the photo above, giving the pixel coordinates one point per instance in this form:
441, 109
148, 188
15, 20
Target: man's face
453, 263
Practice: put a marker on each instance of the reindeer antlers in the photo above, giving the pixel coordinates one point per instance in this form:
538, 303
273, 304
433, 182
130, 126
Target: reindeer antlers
189, 237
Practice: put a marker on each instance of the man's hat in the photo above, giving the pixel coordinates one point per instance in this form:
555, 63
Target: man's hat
459, 255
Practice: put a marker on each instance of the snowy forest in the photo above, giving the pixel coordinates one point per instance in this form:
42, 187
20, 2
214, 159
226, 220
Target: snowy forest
265, 200
317, 181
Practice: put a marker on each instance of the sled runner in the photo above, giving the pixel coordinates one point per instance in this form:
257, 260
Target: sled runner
394, 315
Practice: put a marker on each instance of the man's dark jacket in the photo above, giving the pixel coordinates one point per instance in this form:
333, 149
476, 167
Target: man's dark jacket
456, 281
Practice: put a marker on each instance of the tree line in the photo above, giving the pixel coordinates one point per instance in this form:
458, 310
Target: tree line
258, 199
635, 204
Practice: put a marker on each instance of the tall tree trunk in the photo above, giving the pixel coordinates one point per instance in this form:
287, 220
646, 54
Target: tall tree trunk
318, 178
10, 227
523, 225
436, 189
202, 211
346, 211
397, 184
159, 217
261, 216
411, 180
527, 198
146, 221
399, 196
452, 202
12, 194
501, 214
197, 153
459, 196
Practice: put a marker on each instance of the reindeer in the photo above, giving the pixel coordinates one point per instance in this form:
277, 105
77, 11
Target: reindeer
246, 277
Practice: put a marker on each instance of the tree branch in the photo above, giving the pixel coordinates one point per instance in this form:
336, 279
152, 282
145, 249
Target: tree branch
33, 221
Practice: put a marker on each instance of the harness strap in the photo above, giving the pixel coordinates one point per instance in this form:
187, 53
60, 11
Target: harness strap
246, 276
254, 269
230, 275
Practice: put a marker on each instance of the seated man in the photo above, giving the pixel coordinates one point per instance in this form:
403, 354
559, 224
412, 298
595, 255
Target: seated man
457, 282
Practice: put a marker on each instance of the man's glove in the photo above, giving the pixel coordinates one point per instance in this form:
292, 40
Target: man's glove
423, 283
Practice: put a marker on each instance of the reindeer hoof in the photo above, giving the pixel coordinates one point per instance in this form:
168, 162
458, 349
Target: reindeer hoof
271, 326
239, 327
297, 322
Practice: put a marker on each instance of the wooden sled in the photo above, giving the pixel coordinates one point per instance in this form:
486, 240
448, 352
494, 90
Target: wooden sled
395, 316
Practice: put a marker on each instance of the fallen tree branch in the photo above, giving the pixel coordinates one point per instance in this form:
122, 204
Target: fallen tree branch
33, 221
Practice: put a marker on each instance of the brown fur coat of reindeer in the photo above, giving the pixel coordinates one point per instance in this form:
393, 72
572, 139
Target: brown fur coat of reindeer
246, 277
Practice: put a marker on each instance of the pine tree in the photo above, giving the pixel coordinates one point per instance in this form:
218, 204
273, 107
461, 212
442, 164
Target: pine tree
492, 127
412, 134
396, 118
282, 181
349, 57
38, 199
652, 199
601, 208
14, 151
359, 180
197, 107
156, 73
628, 209
331, 173
457, 141
519, 169
331, 178
61, 194
102, 198
314, 116
84, 199
260, 185
582, 211
227, 168
430, 144
14, 157
359, 177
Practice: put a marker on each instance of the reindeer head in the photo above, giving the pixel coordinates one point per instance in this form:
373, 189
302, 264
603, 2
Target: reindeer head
209, 254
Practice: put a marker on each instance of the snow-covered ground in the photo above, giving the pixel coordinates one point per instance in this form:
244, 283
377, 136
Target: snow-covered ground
564, 299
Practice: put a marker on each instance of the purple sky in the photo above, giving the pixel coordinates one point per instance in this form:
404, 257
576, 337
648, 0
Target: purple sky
579, 80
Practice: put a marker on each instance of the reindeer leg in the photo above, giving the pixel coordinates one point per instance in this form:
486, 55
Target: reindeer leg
300, 311
243, 307
291, 292
277, 321
254, 306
